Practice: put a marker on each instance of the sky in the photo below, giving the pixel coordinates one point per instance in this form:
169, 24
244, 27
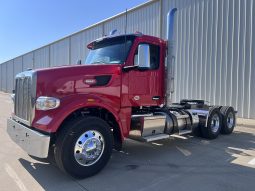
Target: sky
29, 24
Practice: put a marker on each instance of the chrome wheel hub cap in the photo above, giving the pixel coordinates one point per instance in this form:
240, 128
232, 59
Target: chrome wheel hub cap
89, 148
230, 120
215, 124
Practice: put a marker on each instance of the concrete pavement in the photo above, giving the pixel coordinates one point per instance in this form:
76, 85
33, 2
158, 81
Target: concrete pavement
227, 163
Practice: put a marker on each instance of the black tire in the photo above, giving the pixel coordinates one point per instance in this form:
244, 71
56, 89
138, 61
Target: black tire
197, 131
209, 131
67, 139
227, 113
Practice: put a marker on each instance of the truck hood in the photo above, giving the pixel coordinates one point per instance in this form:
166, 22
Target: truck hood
60, 81
82, 69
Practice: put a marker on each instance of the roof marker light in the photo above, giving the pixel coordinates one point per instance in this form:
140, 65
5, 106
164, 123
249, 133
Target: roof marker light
113, 32
139, 33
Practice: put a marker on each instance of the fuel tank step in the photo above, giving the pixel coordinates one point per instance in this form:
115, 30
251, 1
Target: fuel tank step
184, 132
151, 137
182, 116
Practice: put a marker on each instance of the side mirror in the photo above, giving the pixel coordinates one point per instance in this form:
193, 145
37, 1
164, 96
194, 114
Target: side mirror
144, 56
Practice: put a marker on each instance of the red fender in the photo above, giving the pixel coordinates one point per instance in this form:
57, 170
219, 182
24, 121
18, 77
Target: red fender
49, 121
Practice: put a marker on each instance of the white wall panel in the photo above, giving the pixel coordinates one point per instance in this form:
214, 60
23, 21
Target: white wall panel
240, 62
59, 53
42, 57
252, 62
17, 68
79, 43
10, 76
4, 77
215, 52
18, 65
116, 23
248, 58
28, 61
145, 20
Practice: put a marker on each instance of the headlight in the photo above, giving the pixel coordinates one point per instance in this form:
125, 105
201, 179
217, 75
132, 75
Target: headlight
47, 103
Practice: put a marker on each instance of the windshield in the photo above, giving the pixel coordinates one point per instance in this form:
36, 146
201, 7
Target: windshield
110, 51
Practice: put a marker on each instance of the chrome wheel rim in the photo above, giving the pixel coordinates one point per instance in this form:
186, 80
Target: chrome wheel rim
215, 123
230, 120
89, 148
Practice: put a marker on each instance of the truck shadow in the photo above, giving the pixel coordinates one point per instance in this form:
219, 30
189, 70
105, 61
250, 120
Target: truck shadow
178, 163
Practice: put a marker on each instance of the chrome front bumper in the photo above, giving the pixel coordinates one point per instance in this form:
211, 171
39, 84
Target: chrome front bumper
33, 142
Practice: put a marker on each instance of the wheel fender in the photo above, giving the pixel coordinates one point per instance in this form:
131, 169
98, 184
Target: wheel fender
51, 120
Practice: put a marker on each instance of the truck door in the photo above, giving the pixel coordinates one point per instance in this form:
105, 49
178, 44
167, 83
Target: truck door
145, 86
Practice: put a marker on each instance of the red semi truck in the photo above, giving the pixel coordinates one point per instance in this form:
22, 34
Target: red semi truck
76, 115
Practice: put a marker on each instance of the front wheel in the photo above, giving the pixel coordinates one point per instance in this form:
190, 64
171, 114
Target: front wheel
84, 146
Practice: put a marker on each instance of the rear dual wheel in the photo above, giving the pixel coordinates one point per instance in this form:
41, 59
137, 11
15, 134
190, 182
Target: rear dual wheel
213, 124
228, 119
220, 120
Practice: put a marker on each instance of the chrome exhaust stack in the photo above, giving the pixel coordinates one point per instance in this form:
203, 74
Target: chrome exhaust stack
170, 60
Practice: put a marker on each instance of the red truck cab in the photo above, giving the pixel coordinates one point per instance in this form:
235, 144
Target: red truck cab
107, 81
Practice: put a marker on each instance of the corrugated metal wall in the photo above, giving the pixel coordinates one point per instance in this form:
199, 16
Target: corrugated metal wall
3, 77
215, 48
215, 52
42, 57
79, 41
9, 76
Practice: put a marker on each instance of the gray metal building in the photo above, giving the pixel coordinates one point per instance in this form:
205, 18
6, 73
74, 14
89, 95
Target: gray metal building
215, 48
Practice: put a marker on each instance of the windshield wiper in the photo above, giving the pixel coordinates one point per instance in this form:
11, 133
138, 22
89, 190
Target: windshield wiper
99, 62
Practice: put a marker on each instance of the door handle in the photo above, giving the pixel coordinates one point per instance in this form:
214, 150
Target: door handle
155, 97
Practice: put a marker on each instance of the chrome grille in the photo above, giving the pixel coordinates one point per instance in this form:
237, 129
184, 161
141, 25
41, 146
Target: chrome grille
25, 96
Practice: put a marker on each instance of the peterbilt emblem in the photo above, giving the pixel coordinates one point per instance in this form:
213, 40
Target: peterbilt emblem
136, 98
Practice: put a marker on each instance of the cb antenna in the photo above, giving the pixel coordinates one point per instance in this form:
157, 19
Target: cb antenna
126, 23
125, 49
